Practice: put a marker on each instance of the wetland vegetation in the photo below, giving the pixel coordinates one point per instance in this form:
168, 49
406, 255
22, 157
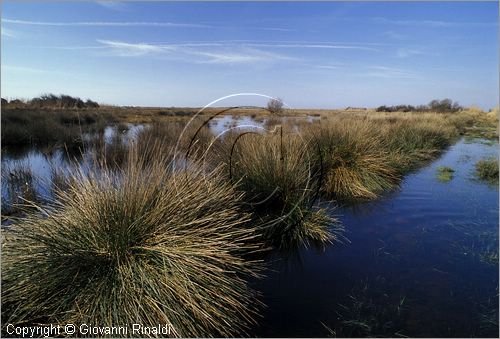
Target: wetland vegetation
152, 215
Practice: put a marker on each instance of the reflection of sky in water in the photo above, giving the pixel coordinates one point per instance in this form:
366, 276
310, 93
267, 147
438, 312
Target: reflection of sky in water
42, 164
423, 242
223, 123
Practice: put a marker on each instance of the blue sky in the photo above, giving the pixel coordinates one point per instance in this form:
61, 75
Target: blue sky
313, 55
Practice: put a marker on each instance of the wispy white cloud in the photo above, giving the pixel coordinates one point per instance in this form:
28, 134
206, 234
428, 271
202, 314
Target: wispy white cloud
31, 70
432, 23
405, 52
215, 53
114, 5
394, 35
313, 45
120, 6
133, 49
246, 55
327, 67
228, 57
389, 72
22, 69
8, 33
104, 23
276, 29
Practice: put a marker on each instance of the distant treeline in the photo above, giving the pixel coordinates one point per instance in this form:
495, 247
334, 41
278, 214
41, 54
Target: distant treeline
51, 101
441, 106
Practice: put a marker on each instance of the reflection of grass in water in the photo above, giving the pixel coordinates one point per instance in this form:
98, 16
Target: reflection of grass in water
363, 316
445, 173
20, 182
476, 242
464, 158
490, 257
488, 319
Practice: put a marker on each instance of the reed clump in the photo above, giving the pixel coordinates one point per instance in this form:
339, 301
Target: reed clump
138, 244
354, 160
280, 187
487, 170
445, 173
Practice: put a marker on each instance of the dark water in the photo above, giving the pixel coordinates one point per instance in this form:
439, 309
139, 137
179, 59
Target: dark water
420, 263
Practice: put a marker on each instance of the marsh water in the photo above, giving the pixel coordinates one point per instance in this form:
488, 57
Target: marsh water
420, 261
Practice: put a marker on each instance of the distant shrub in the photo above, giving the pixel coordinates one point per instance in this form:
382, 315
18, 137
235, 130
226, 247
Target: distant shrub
91, 104
275, 105
61, 101
171, 113
16, 103
398, 108
165, 113
443, 106
440, 106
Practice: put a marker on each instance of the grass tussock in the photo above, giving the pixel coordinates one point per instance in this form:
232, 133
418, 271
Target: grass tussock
141, 244
280, 188
354, 162
487, 170
445, 173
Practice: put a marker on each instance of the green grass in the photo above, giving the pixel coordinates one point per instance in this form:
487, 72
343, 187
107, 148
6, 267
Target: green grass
141, 244
445, 173
487, 170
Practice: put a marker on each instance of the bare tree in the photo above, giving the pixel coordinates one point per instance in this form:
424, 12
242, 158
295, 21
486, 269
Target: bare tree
275, 105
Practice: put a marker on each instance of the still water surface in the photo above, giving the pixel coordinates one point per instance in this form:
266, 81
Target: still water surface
417, 263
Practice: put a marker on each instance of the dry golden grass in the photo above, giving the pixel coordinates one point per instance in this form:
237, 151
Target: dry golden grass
353, 158
277, 177
141, 244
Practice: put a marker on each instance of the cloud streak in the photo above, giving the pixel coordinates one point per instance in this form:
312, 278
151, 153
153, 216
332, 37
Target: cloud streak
8, 33
316, 46
433, 23
406, 52
31, 70
389, 73
104, 23
214, 53
133, 49
114, 5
